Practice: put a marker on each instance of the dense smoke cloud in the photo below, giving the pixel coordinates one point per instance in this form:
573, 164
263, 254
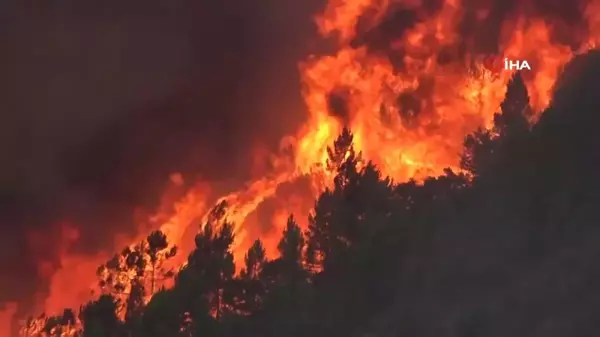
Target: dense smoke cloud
102, 100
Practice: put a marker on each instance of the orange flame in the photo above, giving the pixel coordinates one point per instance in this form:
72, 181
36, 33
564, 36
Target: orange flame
409, 111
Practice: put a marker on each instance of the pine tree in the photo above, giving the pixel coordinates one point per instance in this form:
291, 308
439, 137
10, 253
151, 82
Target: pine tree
206, 284
163, 316
159, 251
323, 240
337, 220
478, 148
484, 149
515, 109
132, 276
291, 249
252, 286
342, 159
99, 317
255, 259
285, 311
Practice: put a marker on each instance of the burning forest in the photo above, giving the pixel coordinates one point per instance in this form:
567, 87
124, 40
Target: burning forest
415, 170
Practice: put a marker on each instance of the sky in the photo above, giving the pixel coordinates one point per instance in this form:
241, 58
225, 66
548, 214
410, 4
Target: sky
101, 100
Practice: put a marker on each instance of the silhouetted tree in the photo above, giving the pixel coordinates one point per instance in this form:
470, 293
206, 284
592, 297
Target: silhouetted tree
206, 283
252, 286
325, 241
338, 218
163, 316
515, 109
342, 159
291, 249
132, 276
100, 319
478, 152
286, 307
485, 149
159, 251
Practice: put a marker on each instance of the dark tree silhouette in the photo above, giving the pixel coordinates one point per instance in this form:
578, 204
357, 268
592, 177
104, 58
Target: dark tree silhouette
486, 149
163, 316
100, 318
324, 241
132, 276
515, 108
207, 281
291, 248
159, 251
286, 308
253, 288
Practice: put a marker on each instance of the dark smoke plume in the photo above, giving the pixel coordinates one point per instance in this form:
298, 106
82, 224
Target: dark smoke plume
102, 100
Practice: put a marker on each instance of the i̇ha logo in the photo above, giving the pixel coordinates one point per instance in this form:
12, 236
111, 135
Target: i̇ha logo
497, 64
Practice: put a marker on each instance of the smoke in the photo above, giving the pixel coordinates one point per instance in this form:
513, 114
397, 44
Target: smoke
102, 100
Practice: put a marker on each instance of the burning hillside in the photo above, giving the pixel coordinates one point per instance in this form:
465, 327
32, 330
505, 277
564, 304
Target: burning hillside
406, 77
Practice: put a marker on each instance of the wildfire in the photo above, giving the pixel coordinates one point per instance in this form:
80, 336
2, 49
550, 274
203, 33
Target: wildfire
409, 107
